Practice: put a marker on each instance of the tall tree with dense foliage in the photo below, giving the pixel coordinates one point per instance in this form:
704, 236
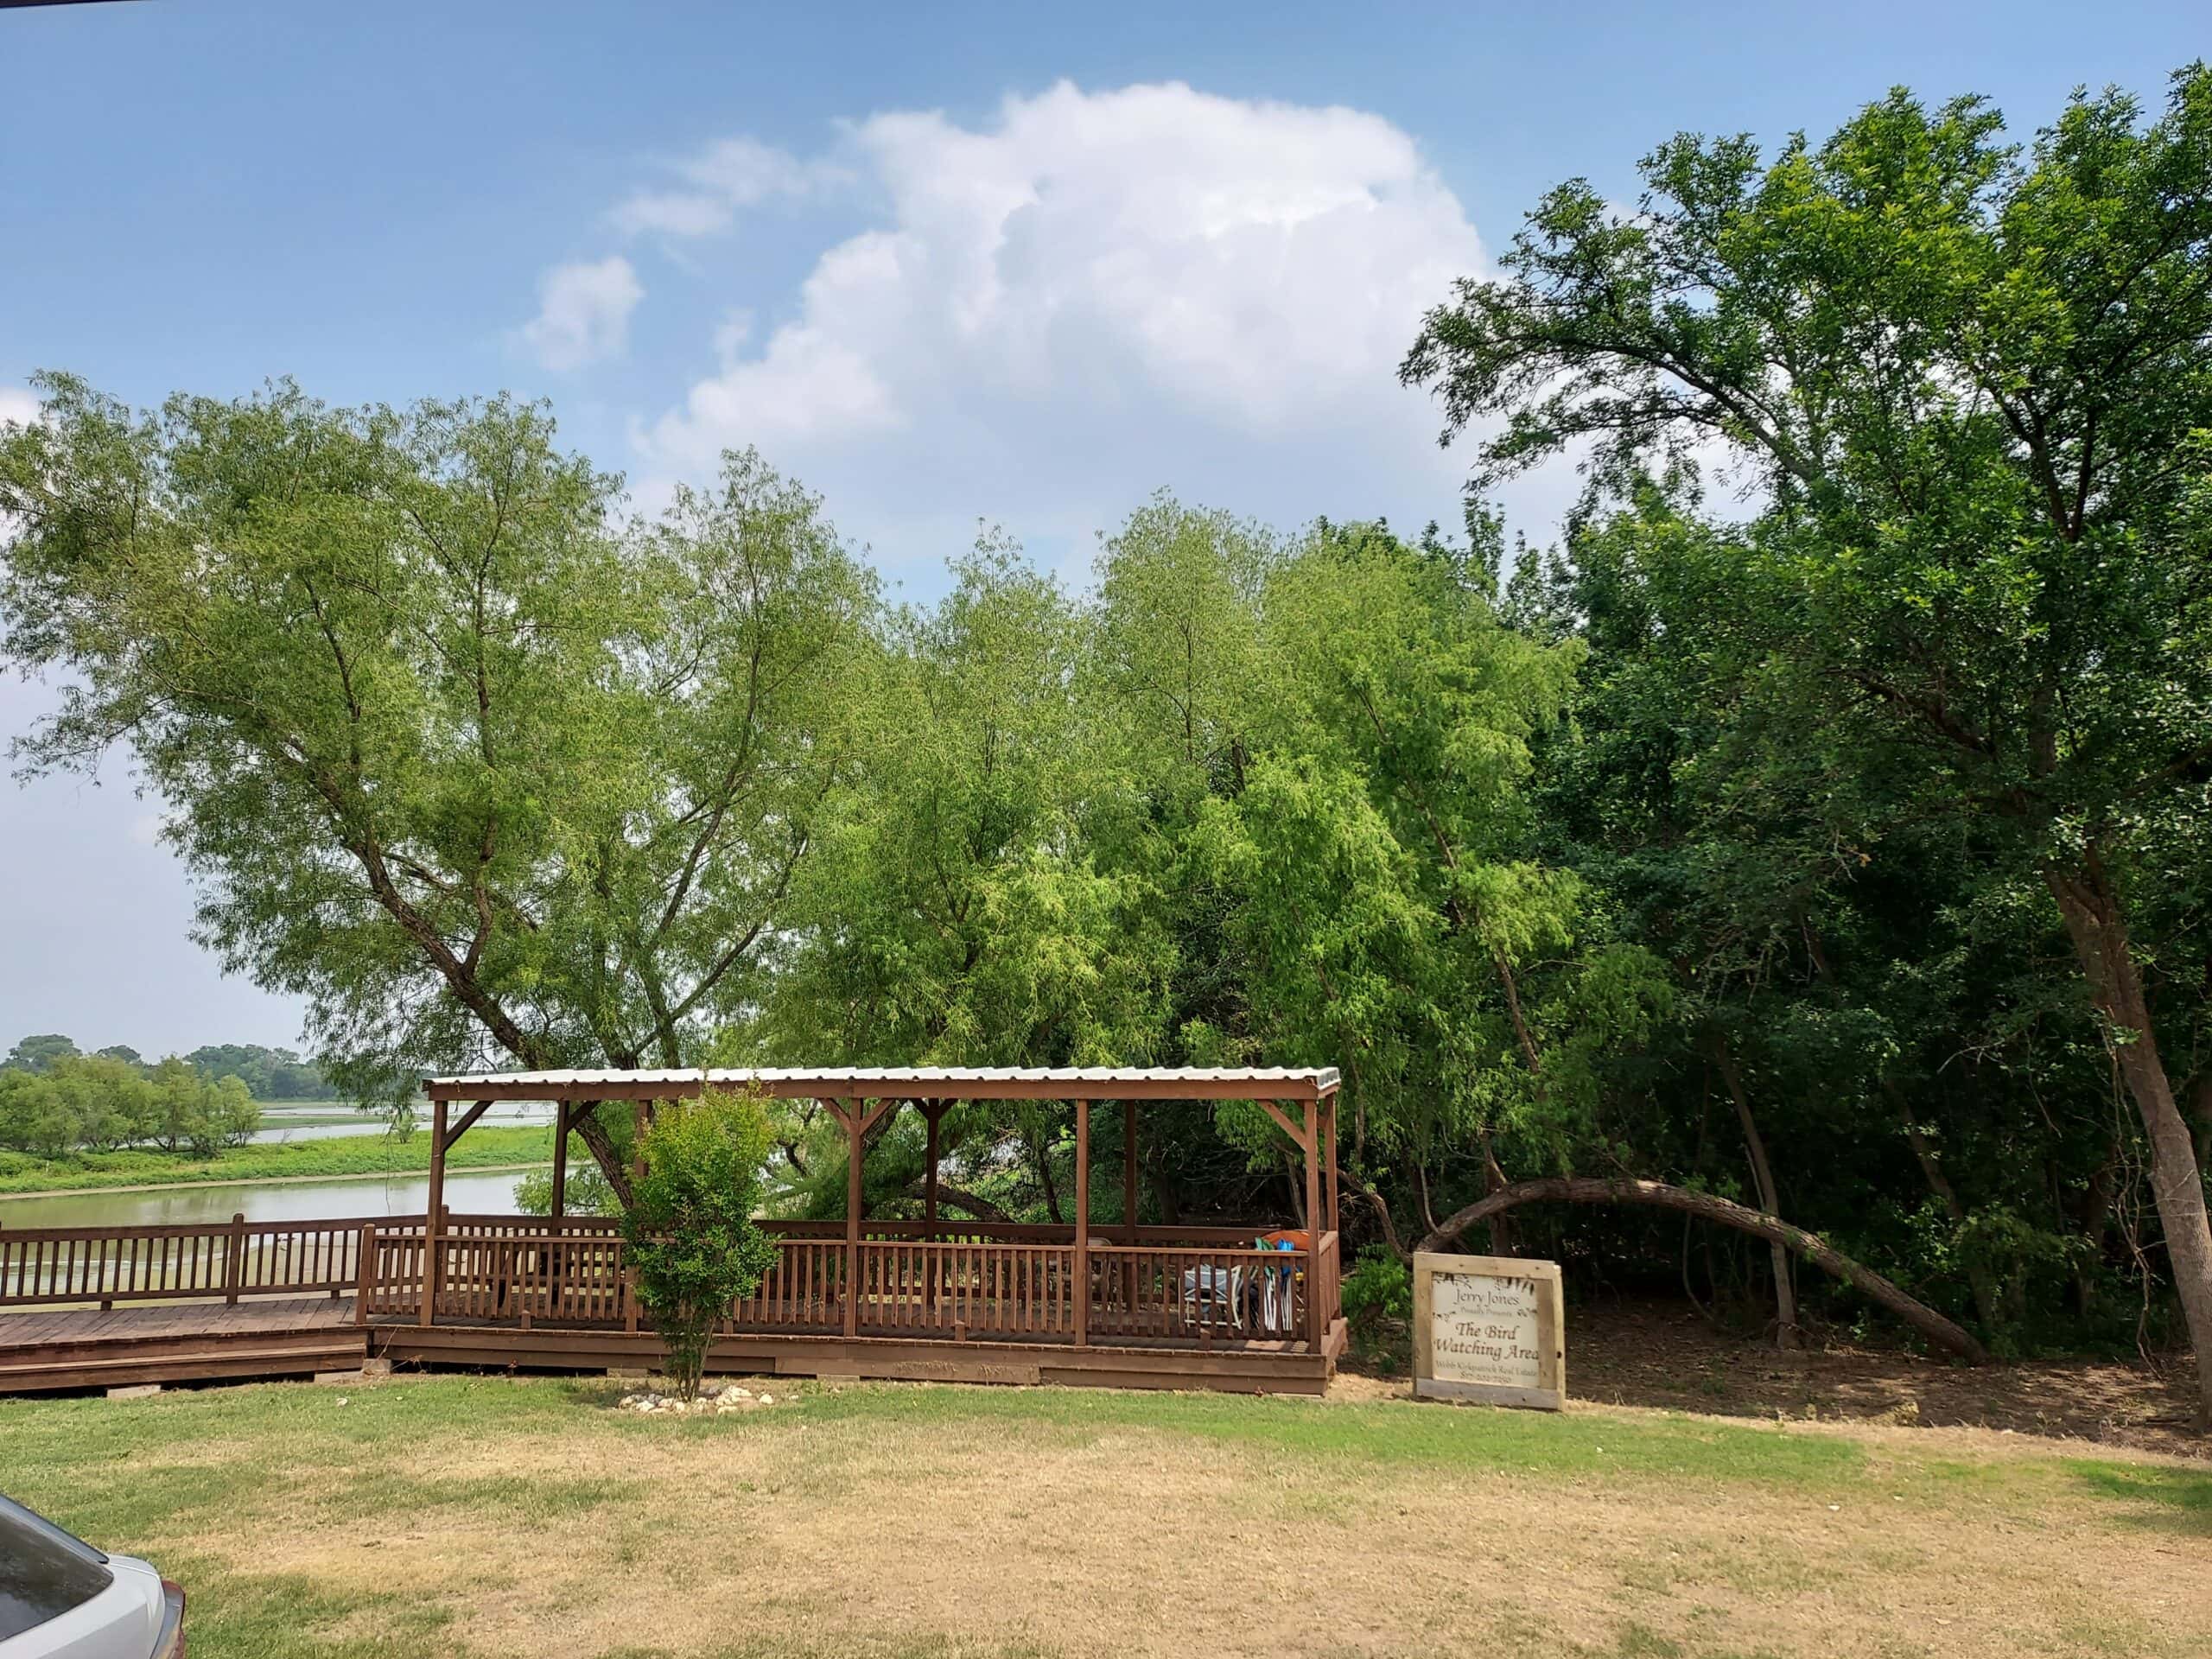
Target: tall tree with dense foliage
453, 755
1971, 386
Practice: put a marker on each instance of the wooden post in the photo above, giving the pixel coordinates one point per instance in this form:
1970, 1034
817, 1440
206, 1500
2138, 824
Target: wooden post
1336, 1191
637, 1139
365, 1273
1083, 1224
851, 1113
931, 1116
560, 1159
1130, 1170
234, 1258
434, 1218
1316, 1332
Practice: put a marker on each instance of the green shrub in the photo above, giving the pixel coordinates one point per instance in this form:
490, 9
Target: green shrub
1379, 1287
1378, 1303
689, 1229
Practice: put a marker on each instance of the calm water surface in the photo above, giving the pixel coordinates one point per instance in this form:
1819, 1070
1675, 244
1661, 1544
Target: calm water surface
355, 1195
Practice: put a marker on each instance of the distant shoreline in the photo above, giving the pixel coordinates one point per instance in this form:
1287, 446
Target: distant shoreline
338, 1156
452, 1172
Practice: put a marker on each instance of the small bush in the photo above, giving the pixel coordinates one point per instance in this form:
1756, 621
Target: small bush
1380, 1286
1378, 1302
689, 1230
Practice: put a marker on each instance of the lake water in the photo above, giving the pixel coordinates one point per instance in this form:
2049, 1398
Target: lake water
309, 1120
467, 1192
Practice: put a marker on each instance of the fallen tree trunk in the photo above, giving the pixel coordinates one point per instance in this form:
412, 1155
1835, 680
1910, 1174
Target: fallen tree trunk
979, 1209
1568, 1189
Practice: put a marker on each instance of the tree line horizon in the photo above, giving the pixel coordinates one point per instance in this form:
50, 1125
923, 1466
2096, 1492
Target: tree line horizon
1838, 849
56, 1100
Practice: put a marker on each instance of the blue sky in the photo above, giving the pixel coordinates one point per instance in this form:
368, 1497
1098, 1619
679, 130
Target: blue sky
945, 263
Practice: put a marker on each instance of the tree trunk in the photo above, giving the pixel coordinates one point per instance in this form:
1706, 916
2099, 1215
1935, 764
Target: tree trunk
584, 1121
981, 1208
2091, 907
1041, 1149
1568, 1189
1500, 1226
1785, 1293
2203, 1100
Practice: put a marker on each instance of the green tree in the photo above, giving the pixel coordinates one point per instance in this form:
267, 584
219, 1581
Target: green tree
955, 911
37, 1053
1971, 385
453, 755
33, 1117
689, 1229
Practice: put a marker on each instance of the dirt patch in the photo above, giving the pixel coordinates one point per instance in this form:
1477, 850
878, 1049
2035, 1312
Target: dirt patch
1659, 1353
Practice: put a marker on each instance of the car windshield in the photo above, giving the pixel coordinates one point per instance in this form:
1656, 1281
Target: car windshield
43, 1571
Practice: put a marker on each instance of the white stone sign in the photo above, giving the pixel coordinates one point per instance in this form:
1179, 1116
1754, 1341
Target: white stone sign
1488, 1328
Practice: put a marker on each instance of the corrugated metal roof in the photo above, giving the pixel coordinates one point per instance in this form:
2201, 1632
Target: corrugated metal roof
1111, 1082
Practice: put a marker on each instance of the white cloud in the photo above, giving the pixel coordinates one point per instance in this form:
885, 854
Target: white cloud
735, 173
584, 313
1089, 296
19, 404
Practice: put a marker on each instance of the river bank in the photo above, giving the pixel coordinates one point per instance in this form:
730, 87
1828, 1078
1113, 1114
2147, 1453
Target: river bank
482, 1148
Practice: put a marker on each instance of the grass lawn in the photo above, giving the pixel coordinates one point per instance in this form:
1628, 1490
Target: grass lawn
355, 1154
483, 1517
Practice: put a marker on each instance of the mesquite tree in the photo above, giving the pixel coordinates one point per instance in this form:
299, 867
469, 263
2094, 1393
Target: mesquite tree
484, 775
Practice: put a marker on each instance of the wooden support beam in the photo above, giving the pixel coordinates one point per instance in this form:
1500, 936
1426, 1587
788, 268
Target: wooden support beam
883, 1108
1329, 1167
1316, 1332
1083, 1224
467, 1121
1300, 1134
560, 1159
433, 1220
931, 1116
853, 1128
1130, 1171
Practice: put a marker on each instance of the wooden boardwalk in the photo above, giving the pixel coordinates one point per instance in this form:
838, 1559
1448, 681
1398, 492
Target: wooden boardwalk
1187, 1308
48, 1350
57, 1348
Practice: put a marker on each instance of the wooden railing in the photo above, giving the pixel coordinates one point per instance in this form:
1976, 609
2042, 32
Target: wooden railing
1329, 1280
967, 1289
984, 1281
805, 1291
1166, 1293
1004, 1232
569, 1276
230, 1259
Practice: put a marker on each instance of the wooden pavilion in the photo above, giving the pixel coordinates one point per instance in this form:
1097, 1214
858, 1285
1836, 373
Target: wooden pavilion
1132, 1305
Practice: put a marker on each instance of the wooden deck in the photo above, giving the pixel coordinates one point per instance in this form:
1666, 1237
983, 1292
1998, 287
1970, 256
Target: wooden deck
63, 1350
1200, 1308
67, 1348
